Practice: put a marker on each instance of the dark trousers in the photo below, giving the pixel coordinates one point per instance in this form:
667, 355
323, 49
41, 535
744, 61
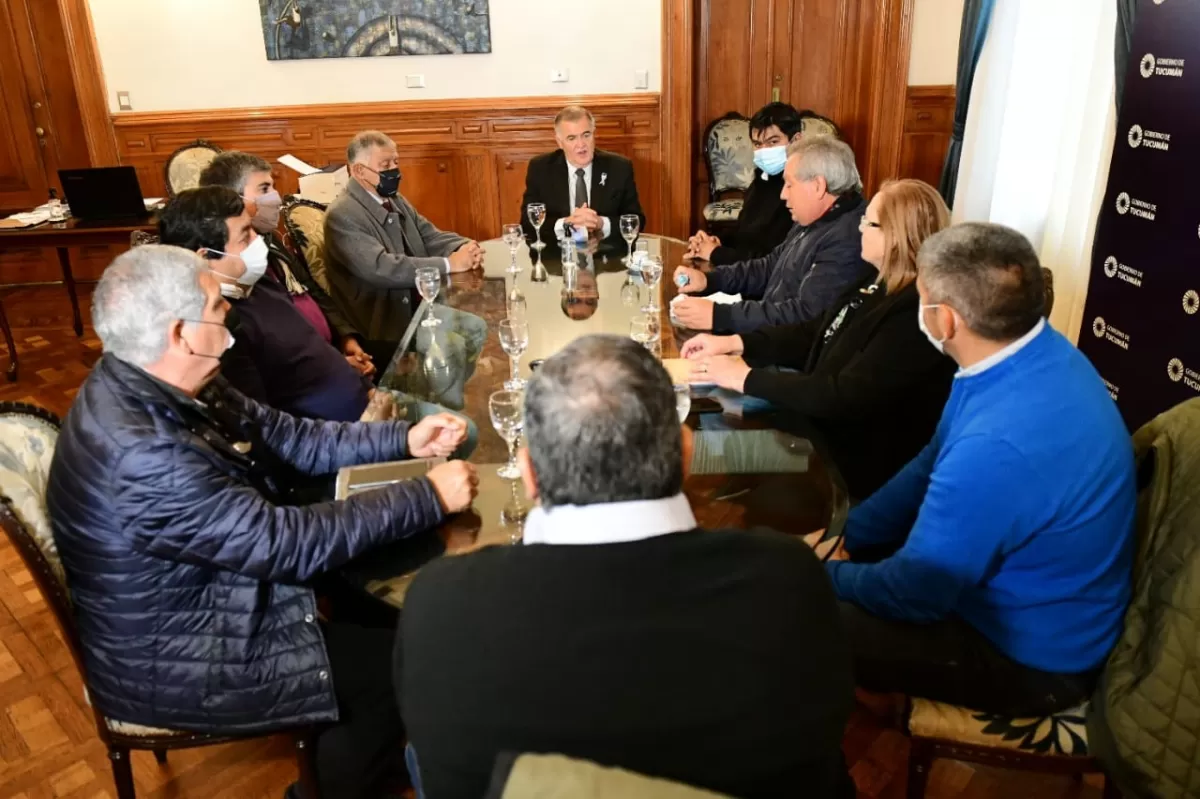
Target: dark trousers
950, 661
364, 752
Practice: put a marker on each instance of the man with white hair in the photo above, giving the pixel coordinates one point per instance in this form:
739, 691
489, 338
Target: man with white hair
189, 520
375, 240
820, 258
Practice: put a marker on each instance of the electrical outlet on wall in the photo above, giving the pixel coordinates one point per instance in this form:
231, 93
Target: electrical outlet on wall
414, 81
641, 79
123, 102
560, 75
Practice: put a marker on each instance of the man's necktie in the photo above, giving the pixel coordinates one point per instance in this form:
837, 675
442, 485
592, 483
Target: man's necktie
387, 206
581, 196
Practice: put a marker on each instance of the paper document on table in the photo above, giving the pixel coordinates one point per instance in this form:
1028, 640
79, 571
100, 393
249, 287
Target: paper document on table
719, 297
153, 202
292, 162
27, 219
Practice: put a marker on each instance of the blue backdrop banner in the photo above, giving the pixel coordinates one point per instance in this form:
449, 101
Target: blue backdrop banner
1141, 324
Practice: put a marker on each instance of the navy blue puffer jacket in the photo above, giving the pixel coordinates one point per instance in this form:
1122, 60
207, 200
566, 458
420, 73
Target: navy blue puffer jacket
186, 548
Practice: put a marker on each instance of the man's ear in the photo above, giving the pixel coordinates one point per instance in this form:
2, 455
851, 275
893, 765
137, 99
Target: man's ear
175, 335
528, 475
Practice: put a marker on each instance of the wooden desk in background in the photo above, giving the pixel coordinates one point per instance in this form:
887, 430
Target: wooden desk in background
62, 236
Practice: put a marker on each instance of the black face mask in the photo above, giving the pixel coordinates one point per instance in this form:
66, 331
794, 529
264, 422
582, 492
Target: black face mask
389, 182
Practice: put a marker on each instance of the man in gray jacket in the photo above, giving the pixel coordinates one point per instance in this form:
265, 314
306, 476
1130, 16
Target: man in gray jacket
375, 240
820, 258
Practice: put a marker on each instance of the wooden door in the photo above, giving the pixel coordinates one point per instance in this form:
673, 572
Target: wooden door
23, 181
510, 179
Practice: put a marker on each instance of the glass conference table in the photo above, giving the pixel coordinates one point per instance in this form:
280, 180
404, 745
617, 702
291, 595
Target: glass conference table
744, 473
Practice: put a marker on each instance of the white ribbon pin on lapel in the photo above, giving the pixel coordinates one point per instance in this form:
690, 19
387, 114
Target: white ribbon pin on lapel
603, 177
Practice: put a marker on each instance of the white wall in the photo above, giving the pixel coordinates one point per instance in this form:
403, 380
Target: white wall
188, 54
934, 57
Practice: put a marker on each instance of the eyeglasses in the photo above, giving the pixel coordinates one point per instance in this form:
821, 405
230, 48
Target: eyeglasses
865, 223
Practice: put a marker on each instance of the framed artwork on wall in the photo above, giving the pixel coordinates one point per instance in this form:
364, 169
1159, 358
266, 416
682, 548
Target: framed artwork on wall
300, 29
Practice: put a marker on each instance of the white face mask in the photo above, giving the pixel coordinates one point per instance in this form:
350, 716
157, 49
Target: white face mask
255, 259
938, 344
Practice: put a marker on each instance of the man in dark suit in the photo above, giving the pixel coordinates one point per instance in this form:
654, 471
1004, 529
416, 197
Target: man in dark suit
582, 188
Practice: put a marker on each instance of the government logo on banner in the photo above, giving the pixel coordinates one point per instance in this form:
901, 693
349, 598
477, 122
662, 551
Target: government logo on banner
1182, 374
1161, 67
1139, 208
1191, 302
1125, 272
1151, 139
1103, 330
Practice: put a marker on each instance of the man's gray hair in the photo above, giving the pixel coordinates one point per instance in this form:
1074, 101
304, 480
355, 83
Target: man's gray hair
988, 273
360, 146
826, 157
140, 294
232, 169
601, 425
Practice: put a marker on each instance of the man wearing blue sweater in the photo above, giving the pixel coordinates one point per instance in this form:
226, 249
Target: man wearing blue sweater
993, 571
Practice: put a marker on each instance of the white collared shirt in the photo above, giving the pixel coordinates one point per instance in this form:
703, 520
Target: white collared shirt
382, 200
587, 179
1002, 355
609, 522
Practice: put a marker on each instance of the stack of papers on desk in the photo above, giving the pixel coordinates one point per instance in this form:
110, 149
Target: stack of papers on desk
27, 219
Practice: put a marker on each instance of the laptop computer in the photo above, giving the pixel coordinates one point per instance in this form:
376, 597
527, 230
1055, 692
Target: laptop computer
104, 193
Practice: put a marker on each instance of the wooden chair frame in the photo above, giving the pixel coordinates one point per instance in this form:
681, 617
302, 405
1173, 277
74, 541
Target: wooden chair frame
118, 744
203, 144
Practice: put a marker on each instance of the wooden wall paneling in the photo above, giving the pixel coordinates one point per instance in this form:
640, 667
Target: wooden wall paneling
90, 88
928, 123
463, 167
678, 136
815, 75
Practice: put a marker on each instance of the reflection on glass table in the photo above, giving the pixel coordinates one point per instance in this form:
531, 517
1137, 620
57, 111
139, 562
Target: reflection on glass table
742, 476
433, 362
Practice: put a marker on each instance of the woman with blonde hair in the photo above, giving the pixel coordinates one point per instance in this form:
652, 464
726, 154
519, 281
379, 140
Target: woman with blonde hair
864, 377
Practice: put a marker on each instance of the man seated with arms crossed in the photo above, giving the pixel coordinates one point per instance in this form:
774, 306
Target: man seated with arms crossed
177, 508
375, 240
621, 632
801, 278
994, 570
250, 176
765, 220
586, 191
278, 357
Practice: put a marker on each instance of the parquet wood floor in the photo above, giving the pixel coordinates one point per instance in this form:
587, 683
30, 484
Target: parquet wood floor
48, 745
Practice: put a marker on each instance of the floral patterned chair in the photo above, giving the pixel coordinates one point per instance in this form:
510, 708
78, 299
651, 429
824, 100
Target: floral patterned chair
729, 154
304, 221
183, 168
28, 435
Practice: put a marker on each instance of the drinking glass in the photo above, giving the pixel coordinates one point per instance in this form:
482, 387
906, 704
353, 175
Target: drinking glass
629, 231
514, 339
652, 269
429, 284
513, 236
640, 252
537, 218
507, 409
518, 308
570, 255
645, 331
683, 402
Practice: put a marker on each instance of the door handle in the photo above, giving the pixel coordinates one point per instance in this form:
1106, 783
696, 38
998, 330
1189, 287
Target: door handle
775, 95
40, 131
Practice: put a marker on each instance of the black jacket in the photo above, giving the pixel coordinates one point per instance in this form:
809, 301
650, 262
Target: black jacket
868, 380
186, 547
612, 194
713, 658
762, 225
800, 279
338, 323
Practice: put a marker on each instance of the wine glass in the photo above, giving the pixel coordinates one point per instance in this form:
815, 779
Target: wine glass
683, 402
537, 218
514, 339
641, 250
629, 231
645, 331
513, 236
652, 269
507, 409
429, 284
518, 308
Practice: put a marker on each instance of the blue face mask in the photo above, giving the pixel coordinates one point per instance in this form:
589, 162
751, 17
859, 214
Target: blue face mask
771, 160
